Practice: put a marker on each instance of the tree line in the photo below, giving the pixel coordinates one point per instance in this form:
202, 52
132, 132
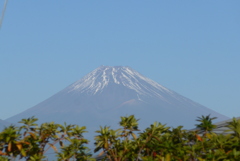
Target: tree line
157, 142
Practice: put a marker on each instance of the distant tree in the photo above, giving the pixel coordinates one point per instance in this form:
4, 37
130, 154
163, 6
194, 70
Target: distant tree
120, 144
206, 124
234, 126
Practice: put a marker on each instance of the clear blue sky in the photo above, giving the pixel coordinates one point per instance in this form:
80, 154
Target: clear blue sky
191, 47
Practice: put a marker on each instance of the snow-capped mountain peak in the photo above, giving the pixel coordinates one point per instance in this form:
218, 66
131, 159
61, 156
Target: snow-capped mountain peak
107, 93
100, 78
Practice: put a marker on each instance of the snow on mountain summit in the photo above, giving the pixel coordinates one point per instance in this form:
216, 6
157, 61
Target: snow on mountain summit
98, 79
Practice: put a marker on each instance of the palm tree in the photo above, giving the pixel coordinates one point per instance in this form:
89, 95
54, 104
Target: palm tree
31, 142
117, 144
105, 140
234, 126
75, 150
129, 124
28, 124
206, 124
9, 141
151, 138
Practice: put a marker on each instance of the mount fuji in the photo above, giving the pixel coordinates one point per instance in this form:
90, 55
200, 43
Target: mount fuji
107, 93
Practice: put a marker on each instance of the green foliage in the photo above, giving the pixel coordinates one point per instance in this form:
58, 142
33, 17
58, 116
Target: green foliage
206, 124
156, 143
31, 142
161, 143
234, 126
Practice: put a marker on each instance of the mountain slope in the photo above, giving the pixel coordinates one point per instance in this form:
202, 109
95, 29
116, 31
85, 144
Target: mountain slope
107, 93
3, 124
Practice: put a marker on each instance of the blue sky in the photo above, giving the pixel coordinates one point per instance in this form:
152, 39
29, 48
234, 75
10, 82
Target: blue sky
191, 47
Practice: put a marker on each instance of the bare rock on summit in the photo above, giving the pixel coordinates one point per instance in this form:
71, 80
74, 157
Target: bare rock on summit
107, 93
